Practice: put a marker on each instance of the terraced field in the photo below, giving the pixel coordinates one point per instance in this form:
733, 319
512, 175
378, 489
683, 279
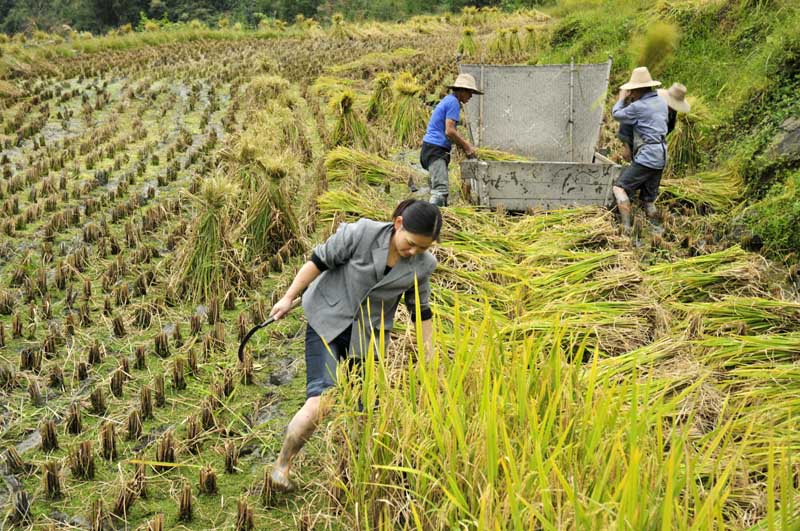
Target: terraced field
156, 201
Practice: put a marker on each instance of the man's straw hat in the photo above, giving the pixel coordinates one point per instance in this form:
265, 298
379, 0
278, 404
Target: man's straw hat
676, 97
640, 78
466, 81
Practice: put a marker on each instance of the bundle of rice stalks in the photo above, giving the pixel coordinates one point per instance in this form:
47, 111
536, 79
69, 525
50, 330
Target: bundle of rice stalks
685, 143
326, 86
380, 98
707, 276
741, 315
349, 129
408, 115
718, 190
292, 132
270, 225
373, 61
344, 163
264, 90
499, 155
467, 46
265, 166
613, 327
335, 204
206, 264
470, 16
514, 45
498, 46
338, 29
657, 47
531, 43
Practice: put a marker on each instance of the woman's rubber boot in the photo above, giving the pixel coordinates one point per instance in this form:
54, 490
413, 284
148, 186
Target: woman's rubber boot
651, 211
624, 208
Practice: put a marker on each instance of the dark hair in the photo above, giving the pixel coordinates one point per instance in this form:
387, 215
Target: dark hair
420, 217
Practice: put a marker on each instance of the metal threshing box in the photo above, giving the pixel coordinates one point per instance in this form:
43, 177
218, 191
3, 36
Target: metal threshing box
551, 114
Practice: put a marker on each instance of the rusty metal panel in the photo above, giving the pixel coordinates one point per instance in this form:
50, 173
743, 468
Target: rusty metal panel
527, 109
545, 185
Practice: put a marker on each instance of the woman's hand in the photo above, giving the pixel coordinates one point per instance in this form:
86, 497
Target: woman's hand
623, 94
281, 308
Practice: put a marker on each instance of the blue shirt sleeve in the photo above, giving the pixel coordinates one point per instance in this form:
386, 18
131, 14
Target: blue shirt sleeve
453, 110
625, 114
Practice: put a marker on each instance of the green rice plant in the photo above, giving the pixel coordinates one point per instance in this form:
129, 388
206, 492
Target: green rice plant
408, 115
480, 433
380, 98
349, 129
344, 163
656, 48
467, 46
685, 143
206, 265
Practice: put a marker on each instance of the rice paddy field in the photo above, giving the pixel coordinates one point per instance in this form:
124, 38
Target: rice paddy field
160, 189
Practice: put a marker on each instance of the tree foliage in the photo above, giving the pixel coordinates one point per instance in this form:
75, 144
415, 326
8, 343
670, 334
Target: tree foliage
101, 15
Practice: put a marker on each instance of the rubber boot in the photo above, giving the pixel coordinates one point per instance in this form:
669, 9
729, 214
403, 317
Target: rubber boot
624, 208
651, 211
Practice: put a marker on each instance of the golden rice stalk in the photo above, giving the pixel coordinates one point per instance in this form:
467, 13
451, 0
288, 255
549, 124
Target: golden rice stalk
467, 47
685, 143
326, 86
499, 155
270, 225
408, 115
498, 46
373, 61
338, 28
381, 96
366, 203
264, 90
531, 43
718, 190
349, 129
206, 264
343, 163
514, 45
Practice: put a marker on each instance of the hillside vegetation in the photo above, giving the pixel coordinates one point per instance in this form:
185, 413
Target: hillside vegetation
161, 187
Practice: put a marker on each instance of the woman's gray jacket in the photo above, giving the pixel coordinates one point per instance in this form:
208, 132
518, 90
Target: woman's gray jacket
354, 291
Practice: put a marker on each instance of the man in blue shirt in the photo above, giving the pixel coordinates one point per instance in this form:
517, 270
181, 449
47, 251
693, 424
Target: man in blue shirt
640, 106
442, 133
676, 103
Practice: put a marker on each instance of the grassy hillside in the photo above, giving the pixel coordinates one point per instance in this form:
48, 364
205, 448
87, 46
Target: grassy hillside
741, 60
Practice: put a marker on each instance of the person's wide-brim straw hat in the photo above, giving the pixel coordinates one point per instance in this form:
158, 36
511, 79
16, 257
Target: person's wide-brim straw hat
675, 97
640, 78
467, 82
